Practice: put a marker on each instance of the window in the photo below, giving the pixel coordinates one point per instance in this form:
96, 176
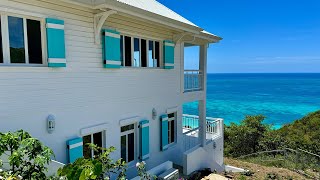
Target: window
138, 52
143, 53
97, 139
156, 54
127, 51
24, 40
128, 143
171, 128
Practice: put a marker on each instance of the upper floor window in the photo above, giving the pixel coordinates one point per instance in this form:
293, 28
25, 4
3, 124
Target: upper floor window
139, 52
20, 40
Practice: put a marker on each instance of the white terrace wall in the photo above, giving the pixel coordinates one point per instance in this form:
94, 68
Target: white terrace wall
84, 94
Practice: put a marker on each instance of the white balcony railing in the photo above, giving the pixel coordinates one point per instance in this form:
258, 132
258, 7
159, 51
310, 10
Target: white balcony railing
190, 124
192, 80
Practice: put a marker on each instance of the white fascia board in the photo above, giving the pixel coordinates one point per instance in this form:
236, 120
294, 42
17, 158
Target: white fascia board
210, 38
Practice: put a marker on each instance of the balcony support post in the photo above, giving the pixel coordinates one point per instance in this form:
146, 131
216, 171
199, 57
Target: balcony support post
203, 102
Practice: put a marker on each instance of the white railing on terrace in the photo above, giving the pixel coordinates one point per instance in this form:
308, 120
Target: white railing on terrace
190, 124
192, 80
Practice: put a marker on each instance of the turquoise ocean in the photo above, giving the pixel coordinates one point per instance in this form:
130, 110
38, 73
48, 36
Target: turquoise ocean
282, 98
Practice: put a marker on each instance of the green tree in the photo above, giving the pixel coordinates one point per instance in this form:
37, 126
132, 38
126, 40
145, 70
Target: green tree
28, 157
272, 140
244, 138
101, 167
303, 133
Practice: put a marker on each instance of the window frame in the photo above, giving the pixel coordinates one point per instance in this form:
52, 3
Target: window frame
174, 118
92, 140
6, 42
136, 145
132, 36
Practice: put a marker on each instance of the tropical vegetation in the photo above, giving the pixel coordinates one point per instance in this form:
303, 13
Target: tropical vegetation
295, 146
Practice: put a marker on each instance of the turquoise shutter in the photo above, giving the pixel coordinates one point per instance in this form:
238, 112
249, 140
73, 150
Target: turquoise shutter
74, 149
111, 49
55, 43
144, 140
164, 132
168, 54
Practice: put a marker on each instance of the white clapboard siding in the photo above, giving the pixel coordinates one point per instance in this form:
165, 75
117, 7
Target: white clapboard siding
85, 94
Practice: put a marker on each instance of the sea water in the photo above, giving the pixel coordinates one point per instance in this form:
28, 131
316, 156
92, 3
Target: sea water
282, 98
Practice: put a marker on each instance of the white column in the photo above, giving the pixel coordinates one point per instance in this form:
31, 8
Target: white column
203, 101
181, 55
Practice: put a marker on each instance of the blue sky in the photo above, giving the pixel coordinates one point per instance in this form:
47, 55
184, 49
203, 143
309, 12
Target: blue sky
259, 35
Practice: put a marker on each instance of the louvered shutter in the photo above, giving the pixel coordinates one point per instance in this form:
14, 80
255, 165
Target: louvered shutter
55, 43
164, 132
74, 149
168, 54
144, 140
111, 49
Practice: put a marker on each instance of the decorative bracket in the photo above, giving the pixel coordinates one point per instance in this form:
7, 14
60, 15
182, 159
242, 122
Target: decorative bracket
99, 20
178, 37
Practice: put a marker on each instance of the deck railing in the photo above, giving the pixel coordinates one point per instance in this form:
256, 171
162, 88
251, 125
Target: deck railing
192, 80
190, 124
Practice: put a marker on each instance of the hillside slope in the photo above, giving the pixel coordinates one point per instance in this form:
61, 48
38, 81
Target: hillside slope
304, 133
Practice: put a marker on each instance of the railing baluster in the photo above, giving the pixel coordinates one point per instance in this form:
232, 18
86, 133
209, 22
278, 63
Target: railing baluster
192, 80
191, 126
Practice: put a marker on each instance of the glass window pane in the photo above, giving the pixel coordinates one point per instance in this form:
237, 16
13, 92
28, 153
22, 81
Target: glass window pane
1, 51
127, 44
127, 128
136, 53
97, 140
143, 53
86, 149
172, 132
157, 54
170, 115
124, 148
150, 54
16, 39
34, 41
130, 147
121, 50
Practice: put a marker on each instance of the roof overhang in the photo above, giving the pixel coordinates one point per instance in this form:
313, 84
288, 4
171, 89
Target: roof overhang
127, 10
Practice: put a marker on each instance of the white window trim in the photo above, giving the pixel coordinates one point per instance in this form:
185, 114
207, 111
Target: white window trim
6, 45
128, 121
136, 144
132, 36
93, 129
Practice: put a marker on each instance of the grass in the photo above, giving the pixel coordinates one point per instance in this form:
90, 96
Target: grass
261, 172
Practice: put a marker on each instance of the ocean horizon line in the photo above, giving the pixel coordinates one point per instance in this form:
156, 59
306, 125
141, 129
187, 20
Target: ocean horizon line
265, 73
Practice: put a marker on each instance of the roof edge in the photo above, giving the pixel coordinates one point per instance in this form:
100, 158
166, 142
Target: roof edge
147, 15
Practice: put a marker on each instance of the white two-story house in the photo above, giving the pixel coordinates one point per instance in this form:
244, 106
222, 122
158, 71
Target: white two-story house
109, 72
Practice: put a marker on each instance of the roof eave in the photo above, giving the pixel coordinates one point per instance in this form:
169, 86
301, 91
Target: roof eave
209, 37
130, 10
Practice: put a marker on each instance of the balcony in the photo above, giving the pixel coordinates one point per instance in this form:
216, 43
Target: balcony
190, 124
193, 80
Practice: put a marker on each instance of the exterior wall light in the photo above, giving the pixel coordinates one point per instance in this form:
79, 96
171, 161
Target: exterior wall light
214, 145
51, 123
154, 113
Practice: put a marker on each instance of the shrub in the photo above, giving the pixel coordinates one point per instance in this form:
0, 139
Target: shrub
142, 172
99, 168
27, 155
